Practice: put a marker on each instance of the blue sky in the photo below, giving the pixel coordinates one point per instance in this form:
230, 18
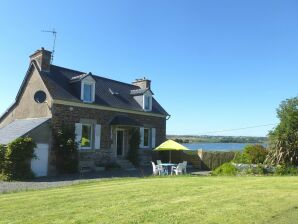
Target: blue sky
214, 65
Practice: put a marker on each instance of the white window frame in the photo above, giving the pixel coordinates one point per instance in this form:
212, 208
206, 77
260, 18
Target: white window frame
92, 84
91, 137
150, 101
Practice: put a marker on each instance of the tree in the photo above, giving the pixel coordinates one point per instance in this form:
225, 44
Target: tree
283, 140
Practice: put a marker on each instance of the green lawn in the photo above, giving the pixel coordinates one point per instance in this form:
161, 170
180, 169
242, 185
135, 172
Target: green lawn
159, 200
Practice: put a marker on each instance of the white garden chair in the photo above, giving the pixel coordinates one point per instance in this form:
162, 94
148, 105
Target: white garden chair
157, 169
184, 165
158, 162
177, 169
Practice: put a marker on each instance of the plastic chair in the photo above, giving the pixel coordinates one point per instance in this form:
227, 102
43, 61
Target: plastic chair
177, 169
157, 169
184, 165
158, 162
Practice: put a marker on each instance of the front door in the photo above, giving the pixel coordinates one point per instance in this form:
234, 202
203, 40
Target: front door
39, 166
120, 142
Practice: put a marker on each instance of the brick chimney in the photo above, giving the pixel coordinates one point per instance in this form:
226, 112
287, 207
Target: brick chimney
142, 83
43, 59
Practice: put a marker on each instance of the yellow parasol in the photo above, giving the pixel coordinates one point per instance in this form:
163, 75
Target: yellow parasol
170, 145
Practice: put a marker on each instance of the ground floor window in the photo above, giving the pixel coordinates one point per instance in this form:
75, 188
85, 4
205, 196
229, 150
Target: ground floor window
146, 137
86, 141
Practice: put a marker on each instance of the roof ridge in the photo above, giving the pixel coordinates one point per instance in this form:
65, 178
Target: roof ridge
68, 69
97, 76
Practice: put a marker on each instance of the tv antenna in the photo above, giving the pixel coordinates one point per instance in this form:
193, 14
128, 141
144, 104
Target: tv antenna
54, 36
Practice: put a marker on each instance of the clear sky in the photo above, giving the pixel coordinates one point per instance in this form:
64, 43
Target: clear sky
214, 65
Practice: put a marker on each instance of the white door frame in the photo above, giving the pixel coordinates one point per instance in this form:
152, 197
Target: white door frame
123, 141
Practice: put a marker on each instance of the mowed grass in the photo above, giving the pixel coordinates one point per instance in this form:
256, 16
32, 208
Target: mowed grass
185, 199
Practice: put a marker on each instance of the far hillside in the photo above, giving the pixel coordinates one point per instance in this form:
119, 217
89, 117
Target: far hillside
217, 139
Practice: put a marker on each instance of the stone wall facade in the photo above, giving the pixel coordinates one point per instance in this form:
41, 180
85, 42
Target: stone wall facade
69, 115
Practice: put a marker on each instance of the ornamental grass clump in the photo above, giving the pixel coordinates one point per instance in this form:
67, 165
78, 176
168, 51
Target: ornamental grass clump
283, 140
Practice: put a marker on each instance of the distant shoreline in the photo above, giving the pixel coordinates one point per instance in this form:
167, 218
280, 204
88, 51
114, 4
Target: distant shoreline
217, 139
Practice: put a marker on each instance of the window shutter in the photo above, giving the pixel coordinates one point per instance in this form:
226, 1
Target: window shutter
153, 135
142, 137
78, 133
97, 136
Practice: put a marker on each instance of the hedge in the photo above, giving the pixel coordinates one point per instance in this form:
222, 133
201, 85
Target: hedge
15, 159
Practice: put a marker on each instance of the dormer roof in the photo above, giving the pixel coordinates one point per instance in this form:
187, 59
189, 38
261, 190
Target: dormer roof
81, 77
137, 92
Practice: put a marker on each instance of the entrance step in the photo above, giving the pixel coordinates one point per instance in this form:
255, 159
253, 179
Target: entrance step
125, 164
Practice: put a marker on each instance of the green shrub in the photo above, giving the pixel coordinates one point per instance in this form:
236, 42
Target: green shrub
282, 170
66, 150
17, 159
254, 170
252, 154
226, 169
241, 157
134, 143
2, 157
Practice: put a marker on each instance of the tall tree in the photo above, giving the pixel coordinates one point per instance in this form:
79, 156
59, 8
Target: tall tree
283, 140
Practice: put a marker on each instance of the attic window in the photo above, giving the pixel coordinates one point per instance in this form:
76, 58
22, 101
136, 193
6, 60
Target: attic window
87, 91
147, 102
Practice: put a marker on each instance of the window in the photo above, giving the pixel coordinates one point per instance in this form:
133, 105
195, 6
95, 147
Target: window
86, 141
145, 137
88, 92
147, 102
88, 89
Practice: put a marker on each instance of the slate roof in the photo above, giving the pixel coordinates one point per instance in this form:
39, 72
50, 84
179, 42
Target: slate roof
19, 128
59, 82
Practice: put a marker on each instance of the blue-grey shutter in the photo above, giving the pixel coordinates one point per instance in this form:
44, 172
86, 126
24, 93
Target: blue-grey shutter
78, 133
97, 136
153, 137
142, 137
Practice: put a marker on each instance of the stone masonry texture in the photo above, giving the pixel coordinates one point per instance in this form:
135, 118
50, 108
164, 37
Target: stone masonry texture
69, 115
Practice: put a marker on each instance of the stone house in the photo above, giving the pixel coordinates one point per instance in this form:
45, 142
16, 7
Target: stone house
101, 111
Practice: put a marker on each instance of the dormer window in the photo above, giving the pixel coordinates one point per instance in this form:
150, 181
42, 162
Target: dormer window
87, 92
147, 101
88, 89
143, 97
